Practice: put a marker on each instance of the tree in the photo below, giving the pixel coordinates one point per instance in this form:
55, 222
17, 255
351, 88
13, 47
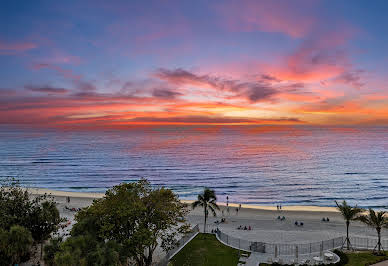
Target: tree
15, 244
208, 201
51, 249
44, 219
137, 217
15, 204
349, 213
37, 213
85, 250
376, 220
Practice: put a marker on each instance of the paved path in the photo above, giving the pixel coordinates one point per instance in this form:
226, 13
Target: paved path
383, 263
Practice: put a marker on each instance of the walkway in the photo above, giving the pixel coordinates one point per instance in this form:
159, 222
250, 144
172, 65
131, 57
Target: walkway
255, 258
383, 263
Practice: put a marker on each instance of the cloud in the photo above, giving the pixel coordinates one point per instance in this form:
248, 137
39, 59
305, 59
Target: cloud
14, 48
66, 73
212, 120
46, 89
252, 90
318, 57
165, 93
268, 16
352, 78
85, 86
269, 78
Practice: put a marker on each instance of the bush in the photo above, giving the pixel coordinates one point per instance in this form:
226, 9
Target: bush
50, 250
85, 250
343, 257
15, 245
38, 214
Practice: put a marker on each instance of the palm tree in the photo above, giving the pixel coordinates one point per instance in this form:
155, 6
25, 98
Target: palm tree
376, 220
207, 200
349, 213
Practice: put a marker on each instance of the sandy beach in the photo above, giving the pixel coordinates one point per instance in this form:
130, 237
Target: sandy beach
263, 220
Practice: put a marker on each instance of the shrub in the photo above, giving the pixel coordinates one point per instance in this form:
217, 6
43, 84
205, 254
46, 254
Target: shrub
15, 245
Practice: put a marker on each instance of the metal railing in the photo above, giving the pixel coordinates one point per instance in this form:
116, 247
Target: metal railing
280, 249
367, 243
277, 248
305, 248
181, 242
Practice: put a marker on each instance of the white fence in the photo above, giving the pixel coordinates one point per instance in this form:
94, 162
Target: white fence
367, 243
181, 243
306, 248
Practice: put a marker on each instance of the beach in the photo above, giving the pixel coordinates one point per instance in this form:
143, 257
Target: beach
263, 220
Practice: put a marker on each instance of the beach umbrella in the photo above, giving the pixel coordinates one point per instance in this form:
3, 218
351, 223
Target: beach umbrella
296, 252
276, 251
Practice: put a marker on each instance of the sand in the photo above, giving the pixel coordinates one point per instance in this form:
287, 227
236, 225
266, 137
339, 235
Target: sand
262, 219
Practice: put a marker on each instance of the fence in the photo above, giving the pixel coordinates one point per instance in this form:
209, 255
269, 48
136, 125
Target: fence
367, 243
280, 249
307, 248
180, 244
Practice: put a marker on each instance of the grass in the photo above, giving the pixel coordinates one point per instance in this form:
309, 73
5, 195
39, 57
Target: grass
363, 258
206, 250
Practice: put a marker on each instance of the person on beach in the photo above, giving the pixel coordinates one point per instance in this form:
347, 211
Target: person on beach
236, 211
239, 206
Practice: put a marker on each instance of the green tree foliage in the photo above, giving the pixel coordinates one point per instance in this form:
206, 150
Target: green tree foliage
44, 219
15, 205
51, 249
376, 220
349, 213
38, 214
127, 224
208, 201
15, 245
86, 250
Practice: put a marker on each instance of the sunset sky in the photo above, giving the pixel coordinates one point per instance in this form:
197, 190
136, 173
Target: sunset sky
118, 63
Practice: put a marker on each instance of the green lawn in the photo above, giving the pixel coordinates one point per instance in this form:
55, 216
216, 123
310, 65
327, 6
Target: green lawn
362, 258
206, 250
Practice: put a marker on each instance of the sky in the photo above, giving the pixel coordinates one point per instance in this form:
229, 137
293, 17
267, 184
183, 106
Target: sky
113, 64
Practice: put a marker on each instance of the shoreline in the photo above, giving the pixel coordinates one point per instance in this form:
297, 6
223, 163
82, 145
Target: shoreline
93, 195
264, 220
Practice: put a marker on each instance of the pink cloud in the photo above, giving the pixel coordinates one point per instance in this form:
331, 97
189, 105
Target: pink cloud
267, 16
14, 48
66, 73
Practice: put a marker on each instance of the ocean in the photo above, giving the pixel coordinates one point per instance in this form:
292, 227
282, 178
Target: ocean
263, 165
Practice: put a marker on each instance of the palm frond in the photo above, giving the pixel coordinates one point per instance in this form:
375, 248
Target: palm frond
348, 212
374, 219
212, 210
196, 203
